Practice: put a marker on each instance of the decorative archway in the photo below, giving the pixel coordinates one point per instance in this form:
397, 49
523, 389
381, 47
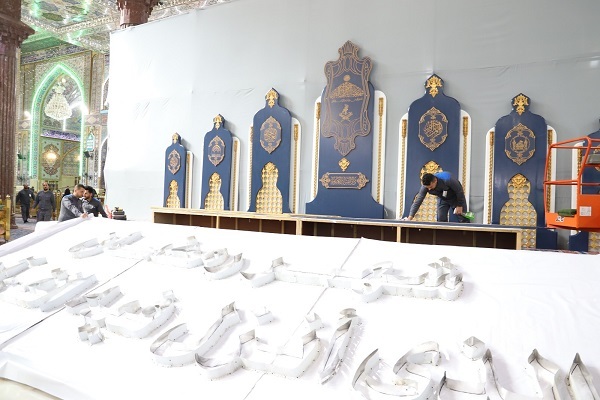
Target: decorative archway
40, 95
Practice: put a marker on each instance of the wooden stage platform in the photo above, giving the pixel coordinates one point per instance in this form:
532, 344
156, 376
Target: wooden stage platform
470, 235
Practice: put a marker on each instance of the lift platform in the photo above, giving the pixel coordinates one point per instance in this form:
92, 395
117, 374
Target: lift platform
585, 214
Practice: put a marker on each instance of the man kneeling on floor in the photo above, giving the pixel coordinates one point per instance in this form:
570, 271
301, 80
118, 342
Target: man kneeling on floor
71, 206
450, 194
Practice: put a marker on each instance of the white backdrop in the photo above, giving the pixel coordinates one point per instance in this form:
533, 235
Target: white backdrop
175, 75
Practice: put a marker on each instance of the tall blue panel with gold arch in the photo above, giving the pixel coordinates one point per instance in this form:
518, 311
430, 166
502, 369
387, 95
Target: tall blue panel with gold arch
585, 241
345, 173
175, 175
515, 173
271, 145
217, 172
433, 138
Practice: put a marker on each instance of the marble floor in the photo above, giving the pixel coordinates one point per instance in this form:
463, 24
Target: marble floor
22, 230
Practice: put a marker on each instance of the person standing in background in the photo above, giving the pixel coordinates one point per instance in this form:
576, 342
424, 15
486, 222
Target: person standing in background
24, 198
46, 203
67, 192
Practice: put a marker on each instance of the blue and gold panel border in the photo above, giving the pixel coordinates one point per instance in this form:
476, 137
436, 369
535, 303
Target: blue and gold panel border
177, 182
220, 168
516, 150
348, 141
273, 180
435, 131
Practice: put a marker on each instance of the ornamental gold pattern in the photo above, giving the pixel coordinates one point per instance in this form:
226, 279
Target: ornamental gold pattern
428, 210
549, 174
295, 187
344, 163
173, 200
433, 83
347, 89
340, 180
347, 103
175, 137
316, 155
403, 167
465, 155
379, 149
519, 144
269, 199
594, 242
490, 178
518, 211
234, 176
188, 181
520, 102
174, 161
433, 128
270, 134
250, 168
216, 150
214, 199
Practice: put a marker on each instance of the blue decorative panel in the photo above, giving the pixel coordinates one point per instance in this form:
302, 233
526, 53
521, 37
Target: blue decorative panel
271, 143
433, 138
585, 241
175, 174
216, 167
520, 147
590, 175
346, 140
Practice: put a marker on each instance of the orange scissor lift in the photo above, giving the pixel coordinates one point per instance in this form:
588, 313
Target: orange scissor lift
585, 216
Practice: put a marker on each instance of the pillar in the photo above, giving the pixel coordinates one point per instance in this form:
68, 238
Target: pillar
135, 12
12, 34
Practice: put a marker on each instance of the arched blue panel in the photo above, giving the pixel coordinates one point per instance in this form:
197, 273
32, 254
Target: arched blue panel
345, 169
520, 146
590, 175
175, 169
271, 142
433, 135
218, 157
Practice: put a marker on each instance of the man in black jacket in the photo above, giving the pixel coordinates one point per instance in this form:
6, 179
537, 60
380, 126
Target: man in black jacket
450, 194
92, 205
24, 198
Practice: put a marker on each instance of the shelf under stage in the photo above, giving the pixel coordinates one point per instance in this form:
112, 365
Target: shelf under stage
436, 233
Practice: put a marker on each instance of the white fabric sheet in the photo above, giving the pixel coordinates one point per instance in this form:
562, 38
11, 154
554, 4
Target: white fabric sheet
514, 301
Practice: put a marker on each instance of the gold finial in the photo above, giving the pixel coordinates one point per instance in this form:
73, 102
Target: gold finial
432, 84
218, 120
175, 137
344, 163
520, 102
271, 96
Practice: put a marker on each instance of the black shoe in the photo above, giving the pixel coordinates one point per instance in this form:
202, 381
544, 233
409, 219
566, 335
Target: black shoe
24, 222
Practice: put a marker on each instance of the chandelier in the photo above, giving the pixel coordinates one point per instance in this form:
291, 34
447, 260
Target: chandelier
58, 106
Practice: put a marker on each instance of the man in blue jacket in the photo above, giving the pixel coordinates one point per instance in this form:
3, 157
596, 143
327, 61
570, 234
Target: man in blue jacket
450, 194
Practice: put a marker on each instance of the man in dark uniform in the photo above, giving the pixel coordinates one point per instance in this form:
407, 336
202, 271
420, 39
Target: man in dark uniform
92, 205
450, 194
24, 198
46, 203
